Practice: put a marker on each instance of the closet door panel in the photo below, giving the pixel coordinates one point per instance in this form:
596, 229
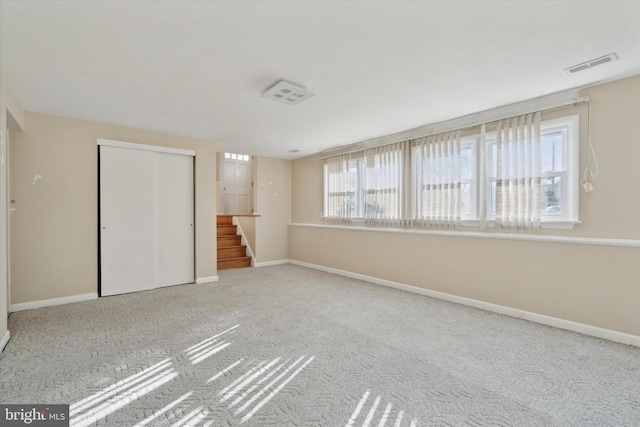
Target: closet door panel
174, 221
126, 220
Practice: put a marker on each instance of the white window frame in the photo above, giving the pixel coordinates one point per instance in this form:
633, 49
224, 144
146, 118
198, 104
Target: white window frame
569, 178
360, 200
236, 156
466, 143
325, 191
472, 143
359, 214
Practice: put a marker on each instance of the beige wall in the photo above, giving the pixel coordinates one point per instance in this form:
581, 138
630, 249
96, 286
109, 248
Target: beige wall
273, 191
248, 225
11, 118
594, 285
54, 226
266, 234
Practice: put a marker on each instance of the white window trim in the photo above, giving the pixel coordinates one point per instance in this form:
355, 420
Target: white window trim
570, 196
472, 141
465, 142
548, 224
573, 168
325, 192
359, 218
570, 203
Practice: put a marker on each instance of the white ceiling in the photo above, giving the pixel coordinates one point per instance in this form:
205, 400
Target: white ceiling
198, 68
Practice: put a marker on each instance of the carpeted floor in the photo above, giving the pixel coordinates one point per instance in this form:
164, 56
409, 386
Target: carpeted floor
290, 346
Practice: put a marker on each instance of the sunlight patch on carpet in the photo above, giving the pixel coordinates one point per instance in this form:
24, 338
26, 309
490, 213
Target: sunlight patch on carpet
170, 406
208, 347
120, 394
372, 413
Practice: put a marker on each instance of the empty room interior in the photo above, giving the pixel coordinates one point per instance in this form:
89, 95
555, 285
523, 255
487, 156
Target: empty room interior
320, 213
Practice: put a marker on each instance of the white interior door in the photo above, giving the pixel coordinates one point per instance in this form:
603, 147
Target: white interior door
174, 247
127, 219
146, 219
237, 185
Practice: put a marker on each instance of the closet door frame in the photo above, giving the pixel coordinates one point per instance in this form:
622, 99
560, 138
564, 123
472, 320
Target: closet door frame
148, 148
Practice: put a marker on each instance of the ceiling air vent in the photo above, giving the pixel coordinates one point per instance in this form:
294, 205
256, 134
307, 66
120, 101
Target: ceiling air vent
287, 93
590, 64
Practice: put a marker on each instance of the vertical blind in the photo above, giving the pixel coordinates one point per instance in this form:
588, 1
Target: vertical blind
437, 164
419, 182
385, 184
339, 188
518, 176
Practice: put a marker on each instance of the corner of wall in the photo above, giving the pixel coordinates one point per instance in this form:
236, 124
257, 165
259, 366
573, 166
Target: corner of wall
9, 104
273, 192
11, 117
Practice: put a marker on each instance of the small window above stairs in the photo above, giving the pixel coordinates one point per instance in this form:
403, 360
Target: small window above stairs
231, 252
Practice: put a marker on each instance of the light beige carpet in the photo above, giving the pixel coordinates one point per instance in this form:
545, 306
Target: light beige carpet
290, 346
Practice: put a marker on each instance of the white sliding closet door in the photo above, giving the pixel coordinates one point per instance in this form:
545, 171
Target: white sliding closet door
126, 220
174, 248
146, 219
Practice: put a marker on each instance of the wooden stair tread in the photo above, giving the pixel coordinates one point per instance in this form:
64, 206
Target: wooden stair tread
232, 252
229, 236
228, 243
238, 262
227, 230
224, 220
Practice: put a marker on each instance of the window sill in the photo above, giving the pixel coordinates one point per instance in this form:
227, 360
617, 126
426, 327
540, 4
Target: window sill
483, 234
549, 225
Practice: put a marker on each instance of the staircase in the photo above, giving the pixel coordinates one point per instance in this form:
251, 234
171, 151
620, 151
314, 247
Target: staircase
231, 252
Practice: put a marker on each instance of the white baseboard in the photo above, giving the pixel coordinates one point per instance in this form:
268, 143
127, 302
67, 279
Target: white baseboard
4, 341
595, 331
51, 302
209, 279
268, 263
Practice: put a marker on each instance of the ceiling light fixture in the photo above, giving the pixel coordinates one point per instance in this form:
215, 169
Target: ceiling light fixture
287, 93
592, 63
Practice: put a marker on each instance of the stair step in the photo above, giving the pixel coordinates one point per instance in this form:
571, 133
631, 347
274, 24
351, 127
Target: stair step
226, 241
239, 262
224, 219
227, 230
232, 252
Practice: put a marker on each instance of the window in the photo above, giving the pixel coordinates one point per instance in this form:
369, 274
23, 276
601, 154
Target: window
466, 181
384, 184
437, 180
344, 192
234, 156
559, 167
367, 186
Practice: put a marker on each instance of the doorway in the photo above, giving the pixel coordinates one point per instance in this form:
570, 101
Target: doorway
236, 184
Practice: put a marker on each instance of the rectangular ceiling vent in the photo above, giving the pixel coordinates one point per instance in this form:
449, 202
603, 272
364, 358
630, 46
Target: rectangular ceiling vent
287, 93
590, 64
